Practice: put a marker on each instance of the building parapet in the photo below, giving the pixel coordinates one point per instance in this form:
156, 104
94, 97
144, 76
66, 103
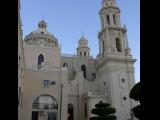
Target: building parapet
46, 68
76, 56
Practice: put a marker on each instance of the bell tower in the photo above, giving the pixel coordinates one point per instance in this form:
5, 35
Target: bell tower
112, 37
115, 62
83, 50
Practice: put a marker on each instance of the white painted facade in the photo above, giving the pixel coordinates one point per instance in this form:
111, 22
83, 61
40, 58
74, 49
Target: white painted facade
80, 81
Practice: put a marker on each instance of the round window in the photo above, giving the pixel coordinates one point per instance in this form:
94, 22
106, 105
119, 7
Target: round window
124, 98
123, 80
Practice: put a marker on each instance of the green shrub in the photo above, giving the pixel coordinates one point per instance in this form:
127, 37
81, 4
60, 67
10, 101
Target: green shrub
103, 112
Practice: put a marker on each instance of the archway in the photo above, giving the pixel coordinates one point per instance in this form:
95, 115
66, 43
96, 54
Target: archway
118, 45
44, 107
65, 65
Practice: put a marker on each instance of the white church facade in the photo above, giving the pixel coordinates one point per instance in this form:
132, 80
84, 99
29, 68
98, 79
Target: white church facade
66, 87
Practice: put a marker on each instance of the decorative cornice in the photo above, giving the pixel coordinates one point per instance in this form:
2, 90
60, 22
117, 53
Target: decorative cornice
115, 59
110, 28
81, 47
112, 7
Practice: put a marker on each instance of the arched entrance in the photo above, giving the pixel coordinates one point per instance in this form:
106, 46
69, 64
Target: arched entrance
70, 112
44, 107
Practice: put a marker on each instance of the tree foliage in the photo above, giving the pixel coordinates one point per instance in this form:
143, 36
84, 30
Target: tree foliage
136, 111
103, 112
135, 94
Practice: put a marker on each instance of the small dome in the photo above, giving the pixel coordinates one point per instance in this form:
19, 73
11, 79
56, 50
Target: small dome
109, 0
42, 24
83, 38
108, 3
83, 41
41, 32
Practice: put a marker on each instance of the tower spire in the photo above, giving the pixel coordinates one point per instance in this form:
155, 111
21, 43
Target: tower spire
43, 18
83, 34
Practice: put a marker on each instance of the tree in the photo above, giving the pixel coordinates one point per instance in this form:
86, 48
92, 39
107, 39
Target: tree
135, 94
103, 112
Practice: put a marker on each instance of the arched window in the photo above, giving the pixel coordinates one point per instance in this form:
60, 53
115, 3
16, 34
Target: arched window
85, 109
118, 45
83, 68
84, 53
80, 53
40, 60
42, 104
45, 102
70, 112
103, 47
65, 65
108, 21
114, 19
94, 76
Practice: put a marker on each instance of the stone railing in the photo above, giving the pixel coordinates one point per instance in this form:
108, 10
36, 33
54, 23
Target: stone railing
46, 68
44, 106
70, 55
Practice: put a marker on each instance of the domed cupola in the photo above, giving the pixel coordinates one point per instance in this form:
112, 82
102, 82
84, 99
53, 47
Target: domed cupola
83, 50
83, 41
41, 37
107, 3
42, 25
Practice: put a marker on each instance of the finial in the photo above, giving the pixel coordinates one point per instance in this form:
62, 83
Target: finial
124, 26
43, 18
113, 1
42, 24
82, 33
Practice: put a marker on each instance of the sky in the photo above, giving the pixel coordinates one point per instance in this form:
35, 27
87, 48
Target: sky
68, 19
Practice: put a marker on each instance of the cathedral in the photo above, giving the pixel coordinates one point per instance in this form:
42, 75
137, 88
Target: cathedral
55, 86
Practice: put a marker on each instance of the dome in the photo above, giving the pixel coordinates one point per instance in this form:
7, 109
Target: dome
41, 33
108, 3
42, 24
82, 38
83, 42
